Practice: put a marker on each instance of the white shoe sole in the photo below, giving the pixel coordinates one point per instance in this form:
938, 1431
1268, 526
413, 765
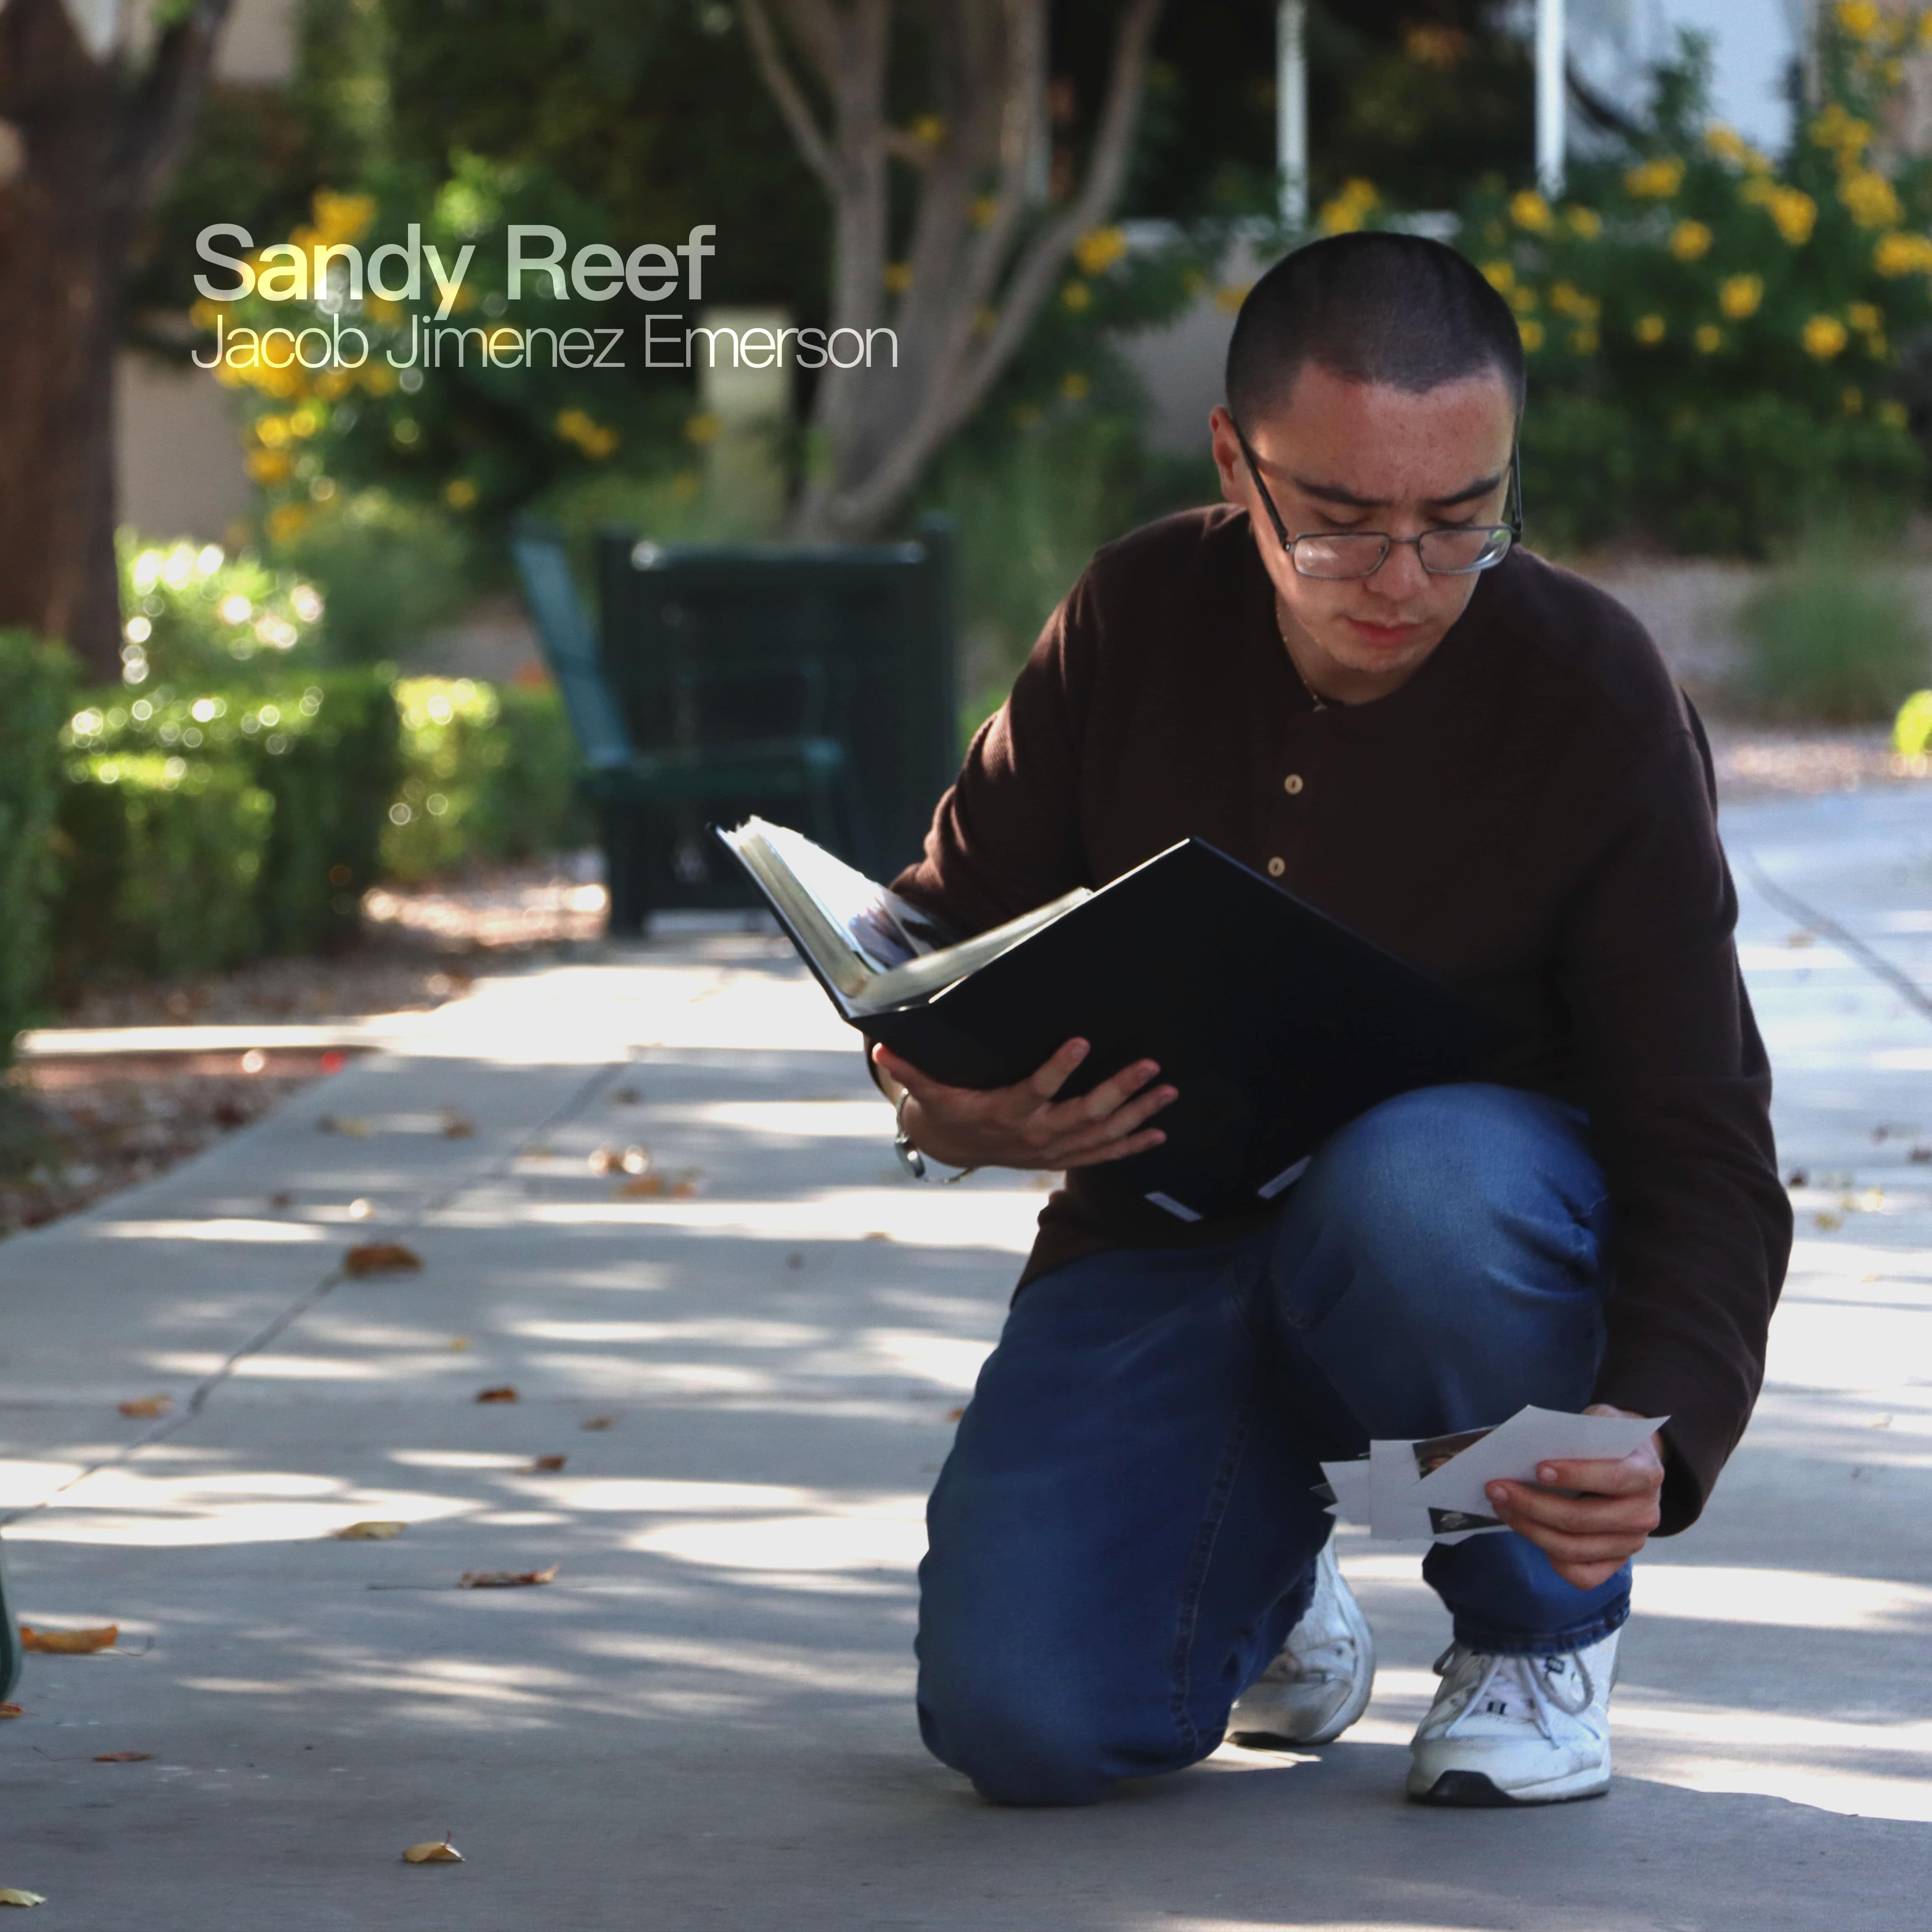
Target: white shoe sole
1360, 1691
1475, 1790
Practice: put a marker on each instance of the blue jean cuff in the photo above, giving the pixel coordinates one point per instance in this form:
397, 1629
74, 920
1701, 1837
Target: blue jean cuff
1504, 1640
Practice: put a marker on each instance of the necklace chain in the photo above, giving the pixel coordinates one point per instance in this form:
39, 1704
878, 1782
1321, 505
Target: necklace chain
1315, 697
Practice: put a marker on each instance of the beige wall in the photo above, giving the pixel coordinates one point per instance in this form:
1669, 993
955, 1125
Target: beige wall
178, 458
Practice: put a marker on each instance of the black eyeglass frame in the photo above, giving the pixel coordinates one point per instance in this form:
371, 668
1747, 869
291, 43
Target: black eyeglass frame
1513, 526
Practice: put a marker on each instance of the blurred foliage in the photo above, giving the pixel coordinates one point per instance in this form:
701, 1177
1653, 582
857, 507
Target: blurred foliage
489, 772
36, 687
195, 613
1912, 729
1832, 635
1715, 340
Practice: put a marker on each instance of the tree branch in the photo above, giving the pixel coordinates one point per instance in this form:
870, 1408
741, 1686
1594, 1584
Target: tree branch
805, 132
161, 115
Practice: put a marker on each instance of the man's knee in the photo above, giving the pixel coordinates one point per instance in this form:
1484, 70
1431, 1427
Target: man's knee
1020, 1743
1440, 1198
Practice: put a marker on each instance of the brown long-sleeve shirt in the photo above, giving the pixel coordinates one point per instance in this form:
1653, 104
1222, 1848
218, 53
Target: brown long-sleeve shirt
1531, 817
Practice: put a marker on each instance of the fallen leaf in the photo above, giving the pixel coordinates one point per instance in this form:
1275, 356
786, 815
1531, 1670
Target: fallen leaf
642, 1188
538, 1150
1920, 1153
794, 1261
282, 1199
954, 1414
122, 1757
601, 1422
1798, 1177
549, 1464
370, 1532
456, 1128
626, 1096
606, 1160
380, 1257
505, 1394
148, 1404
457, 1343
506, 1579
877, 1234
1829, 1219
10, 1711
70, 1643
684, 1190
345, 1123
1800, 938
437, 1851
8, 1896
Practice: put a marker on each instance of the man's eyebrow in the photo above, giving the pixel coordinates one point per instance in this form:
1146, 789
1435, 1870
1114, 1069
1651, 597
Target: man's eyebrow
1334, 493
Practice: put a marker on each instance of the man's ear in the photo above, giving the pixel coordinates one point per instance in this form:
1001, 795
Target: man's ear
1228, 458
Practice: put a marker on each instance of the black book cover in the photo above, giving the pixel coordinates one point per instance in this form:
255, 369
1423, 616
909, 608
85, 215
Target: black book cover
1276, 1024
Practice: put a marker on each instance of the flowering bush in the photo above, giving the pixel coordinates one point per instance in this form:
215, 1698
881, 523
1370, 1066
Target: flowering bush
195, 612
1714, 338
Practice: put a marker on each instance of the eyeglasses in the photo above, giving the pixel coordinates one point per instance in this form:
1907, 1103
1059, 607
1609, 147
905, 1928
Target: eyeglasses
1354, 553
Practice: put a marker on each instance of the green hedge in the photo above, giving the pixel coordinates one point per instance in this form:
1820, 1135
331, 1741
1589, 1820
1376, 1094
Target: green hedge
36, 684
278, 796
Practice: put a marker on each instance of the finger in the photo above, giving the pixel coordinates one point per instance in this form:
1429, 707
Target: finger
1123, 1120
1113, 1092
903, 1071
1049, 1079
1585, 1575
1518, 1503
1118, 1150
1623, 1478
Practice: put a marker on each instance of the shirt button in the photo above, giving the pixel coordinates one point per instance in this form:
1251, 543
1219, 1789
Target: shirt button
1292, 784
1276, 867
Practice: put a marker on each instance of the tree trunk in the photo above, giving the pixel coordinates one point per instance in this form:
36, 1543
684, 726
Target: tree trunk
88, 147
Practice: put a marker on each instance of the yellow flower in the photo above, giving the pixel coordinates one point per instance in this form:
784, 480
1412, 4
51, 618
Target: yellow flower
1865, 316
1350, 208
595, 439
1794, 212
285, 521
1860, 18
897, 277
700, 429
1824, 337
1566, 298
305, 421
1074, 386
1871, 198
1852, 399
1585, 341
1690, 241
1893, 415
1659, 177
1076, 295
459, 493
1650, 330
1230, 295
1532, 333
272, 432
1727, 143
1523, 299
1739, 295
1902, 254
1098, 249
1528, 209
268, 465
342, 217
1585, 223
1500, 275
1843, 134
928, 130
1708, 337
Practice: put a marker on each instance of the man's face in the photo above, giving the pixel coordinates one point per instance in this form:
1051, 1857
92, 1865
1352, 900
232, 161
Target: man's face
1341, 455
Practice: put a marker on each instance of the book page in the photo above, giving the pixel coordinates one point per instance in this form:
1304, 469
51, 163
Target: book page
882, 928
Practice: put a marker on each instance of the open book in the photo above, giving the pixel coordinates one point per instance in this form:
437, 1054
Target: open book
872, 950
1275, 1023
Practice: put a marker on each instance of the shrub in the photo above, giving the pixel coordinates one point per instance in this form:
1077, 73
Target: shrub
163, 857
195, 614
1911, 729
1832, 636
489, 772
35, 684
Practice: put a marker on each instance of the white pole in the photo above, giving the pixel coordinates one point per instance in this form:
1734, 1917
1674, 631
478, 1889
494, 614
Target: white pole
1551, 89
1291, 112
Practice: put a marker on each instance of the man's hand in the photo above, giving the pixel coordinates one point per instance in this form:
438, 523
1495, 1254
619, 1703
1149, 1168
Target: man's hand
1588, 1535
1024, 1126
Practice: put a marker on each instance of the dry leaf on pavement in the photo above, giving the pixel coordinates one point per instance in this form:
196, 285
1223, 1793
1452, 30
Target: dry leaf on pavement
8, 1896
643, 1187
606, 1160
549, 1463
877, 1234
457, 1127
506, 1579
626, 1096
122, 1757
686, 1190
457, 1343
282, 1199
370, 1532
344, 1124
437, 1851
10, 1711
70, 1643
505, 1394
380, 1257
600, 1422
148, 1404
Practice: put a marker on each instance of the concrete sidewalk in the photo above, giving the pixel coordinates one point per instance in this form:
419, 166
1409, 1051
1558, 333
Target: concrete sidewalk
705, 1721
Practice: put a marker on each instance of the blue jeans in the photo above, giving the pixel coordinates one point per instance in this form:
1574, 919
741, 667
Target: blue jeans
1124, 1533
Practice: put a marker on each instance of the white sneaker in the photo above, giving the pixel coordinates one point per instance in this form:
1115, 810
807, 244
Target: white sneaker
1516, 1730
1319, 1685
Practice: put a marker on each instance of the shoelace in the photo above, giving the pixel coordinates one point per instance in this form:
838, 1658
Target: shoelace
1543, 1695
